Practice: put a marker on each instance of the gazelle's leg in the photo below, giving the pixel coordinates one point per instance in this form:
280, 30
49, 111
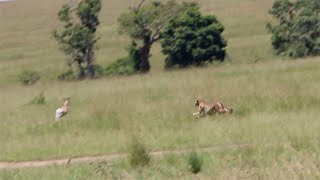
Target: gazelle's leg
202, 112
200, 109
195, 114
201, 115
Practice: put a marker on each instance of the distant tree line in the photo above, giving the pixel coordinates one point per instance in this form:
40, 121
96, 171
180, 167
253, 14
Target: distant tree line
187, 37
296, 27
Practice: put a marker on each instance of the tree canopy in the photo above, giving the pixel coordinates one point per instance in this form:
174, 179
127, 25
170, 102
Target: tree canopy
145, 23
193, 39
77, 39
296, 27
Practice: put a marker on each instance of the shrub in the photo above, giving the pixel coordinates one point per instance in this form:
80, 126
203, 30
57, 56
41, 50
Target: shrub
195, 163
295, 31
98, 71
28, 77
127, 65
122, 66
76, 73
193, 39
40, 99
134, 55
138, 156
67, 76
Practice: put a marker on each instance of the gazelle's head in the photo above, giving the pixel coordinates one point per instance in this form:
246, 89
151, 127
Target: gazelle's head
196, 103
66, 101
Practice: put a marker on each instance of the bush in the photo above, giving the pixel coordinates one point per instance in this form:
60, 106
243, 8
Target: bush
40, 99
295, 31
122, 66
29, 77
98, 71
134, 55
138, 156
67, 76
193, 39
76, 74
195, 163
127, 65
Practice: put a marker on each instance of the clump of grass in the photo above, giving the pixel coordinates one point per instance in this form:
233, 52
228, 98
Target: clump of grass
138, 155
123, 66
67, 76
40, 99
103, 169
301, 143
195, 163
28, 77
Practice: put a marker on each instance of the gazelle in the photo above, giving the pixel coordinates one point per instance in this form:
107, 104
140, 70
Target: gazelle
60, 112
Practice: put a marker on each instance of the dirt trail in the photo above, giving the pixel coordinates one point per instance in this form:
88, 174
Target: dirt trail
72, 160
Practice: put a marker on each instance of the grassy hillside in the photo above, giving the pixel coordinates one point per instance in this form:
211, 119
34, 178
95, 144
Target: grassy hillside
26, 41
271, 104
275, 100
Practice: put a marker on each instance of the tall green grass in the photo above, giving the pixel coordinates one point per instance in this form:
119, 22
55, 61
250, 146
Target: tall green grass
277, 161
270, 103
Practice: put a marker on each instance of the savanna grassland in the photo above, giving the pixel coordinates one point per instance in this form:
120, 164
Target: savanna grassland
282, 162
276, 101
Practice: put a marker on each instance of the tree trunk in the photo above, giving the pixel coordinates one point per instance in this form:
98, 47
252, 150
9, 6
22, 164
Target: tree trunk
144, 55
90, 68
81, 73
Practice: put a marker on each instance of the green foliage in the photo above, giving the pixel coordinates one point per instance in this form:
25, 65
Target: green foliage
122, 66
146, 22
193, 39
296, 30
195, 163
64, 14
134, 55
28, 77
40, 99
77, 39
148, 19
127, 65
138, 155
88, 11
99, 71
67, 76
71, 75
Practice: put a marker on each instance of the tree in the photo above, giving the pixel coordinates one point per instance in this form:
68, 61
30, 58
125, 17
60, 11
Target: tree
78, 37
193, 39
145, 23
296, 29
